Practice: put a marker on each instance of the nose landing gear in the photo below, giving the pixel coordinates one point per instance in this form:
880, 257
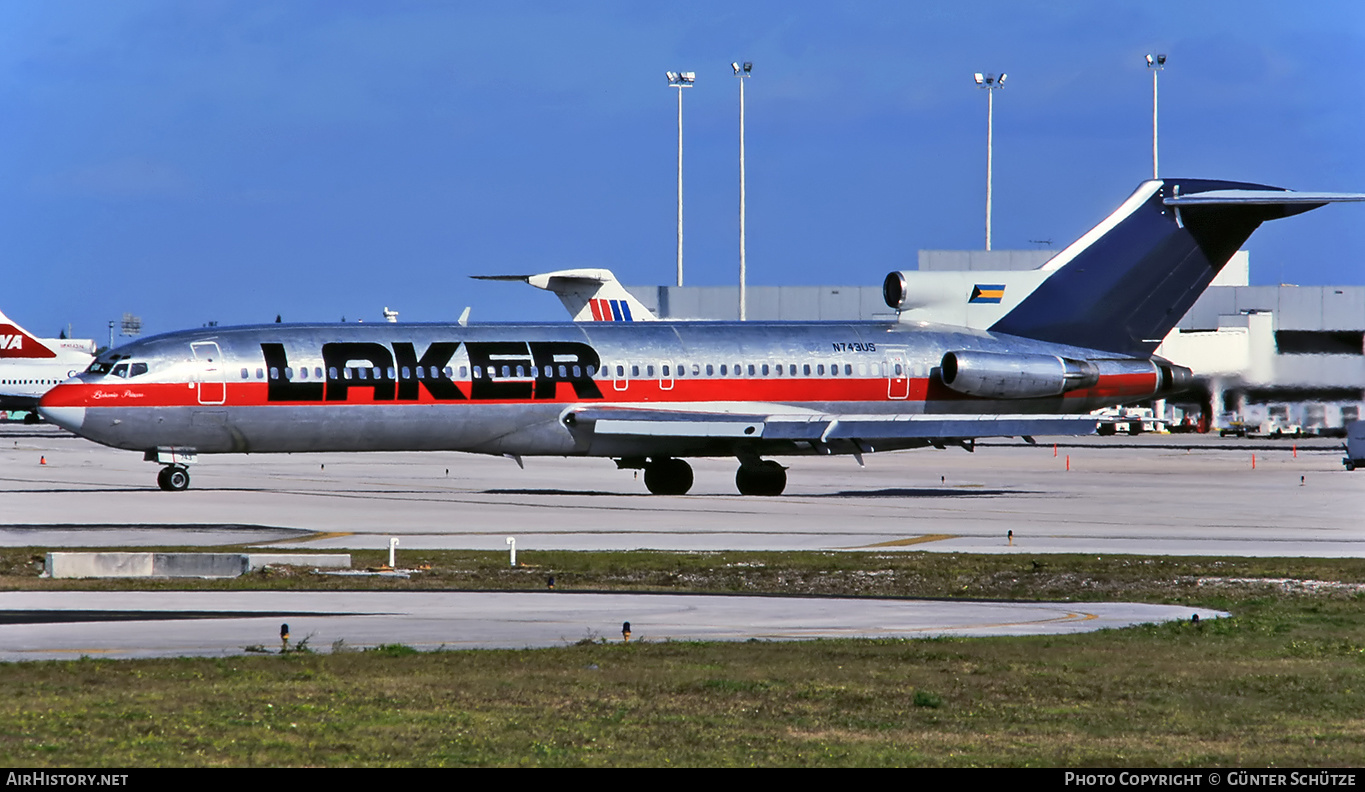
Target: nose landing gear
173, 478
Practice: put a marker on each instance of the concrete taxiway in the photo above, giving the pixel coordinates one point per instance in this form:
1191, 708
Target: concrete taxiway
67, 625
1166, 495
1178, 495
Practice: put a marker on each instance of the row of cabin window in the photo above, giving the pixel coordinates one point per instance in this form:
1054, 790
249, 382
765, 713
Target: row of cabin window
303, 373
755, 370
421, 372
520, 372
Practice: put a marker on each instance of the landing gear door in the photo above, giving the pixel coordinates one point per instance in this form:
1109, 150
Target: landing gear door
897, 378
212, 375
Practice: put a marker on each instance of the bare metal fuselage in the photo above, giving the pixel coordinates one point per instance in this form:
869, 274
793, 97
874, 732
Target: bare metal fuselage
606, 390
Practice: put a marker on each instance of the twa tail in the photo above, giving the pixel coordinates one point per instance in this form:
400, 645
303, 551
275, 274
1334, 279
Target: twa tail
1126, 283
18, 343
590, 295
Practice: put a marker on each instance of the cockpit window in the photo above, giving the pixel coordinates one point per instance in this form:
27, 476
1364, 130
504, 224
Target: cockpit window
121, 370
137, 369
105, 365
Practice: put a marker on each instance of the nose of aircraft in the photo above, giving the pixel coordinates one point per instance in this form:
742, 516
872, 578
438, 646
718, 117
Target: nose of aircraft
56, 407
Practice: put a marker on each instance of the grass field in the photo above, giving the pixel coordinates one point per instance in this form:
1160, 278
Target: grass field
1280, 683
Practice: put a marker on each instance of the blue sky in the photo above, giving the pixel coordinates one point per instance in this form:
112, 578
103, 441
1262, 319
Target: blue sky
229, 160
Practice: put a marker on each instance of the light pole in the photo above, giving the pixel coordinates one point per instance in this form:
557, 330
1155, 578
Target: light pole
990, 82
742, 71
1155, 64
680, 80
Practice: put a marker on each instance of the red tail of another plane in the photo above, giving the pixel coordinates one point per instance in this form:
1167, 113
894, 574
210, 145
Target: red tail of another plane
15, 342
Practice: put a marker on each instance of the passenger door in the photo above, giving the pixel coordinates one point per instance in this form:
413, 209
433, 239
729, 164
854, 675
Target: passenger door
212, 373
898, 377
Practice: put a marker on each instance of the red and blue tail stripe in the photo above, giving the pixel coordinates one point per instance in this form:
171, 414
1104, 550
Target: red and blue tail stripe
610, 311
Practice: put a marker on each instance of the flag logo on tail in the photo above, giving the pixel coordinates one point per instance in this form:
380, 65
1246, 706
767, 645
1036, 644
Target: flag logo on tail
987, 293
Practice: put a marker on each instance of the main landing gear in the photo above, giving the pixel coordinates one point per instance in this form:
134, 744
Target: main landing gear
173, 478
761, 477
668, 476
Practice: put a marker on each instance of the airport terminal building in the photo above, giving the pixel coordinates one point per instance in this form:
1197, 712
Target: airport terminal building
1284, 356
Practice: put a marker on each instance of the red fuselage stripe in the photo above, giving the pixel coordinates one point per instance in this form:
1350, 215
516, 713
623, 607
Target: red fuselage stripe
793, 389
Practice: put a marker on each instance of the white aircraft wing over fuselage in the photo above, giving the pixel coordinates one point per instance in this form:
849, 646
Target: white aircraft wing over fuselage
652, 394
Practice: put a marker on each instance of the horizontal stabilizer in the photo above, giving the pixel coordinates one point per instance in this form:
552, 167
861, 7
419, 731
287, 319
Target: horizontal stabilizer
1261, 198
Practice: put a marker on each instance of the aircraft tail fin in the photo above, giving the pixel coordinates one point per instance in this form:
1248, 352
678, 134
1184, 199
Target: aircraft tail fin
16, 342
590, 295
1126, 283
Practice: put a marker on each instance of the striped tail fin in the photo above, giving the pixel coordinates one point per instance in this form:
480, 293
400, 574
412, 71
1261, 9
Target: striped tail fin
590, 295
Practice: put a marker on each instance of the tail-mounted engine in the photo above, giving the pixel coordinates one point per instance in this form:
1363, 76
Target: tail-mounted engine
995, 376
992, 375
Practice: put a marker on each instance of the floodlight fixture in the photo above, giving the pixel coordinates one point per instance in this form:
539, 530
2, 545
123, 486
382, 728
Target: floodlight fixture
742, 71
989, 82
680, 80
1155, 64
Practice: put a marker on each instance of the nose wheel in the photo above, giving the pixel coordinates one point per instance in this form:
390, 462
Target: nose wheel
173, 478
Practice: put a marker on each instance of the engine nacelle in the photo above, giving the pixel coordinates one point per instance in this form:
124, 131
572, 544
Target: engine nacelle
1174, 379
930, 289
992, 375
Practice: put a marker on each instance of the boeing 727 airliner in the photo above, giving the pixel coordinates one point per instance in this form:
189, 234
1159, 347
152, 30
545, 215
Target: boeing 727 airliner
651, 394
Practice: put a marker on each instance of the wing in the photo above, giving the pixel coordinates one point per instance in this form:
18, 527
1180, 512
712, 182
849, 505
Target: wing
718, 430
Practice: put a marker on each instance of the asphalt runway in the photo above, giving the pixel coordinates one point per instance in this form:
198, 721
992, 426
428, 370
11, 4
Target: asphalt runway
1175, 495
68, 625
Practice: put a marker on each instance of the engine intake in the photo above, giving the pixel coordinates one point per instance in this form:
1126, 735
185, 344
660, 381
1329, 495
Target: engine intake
894, 289
992, 375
